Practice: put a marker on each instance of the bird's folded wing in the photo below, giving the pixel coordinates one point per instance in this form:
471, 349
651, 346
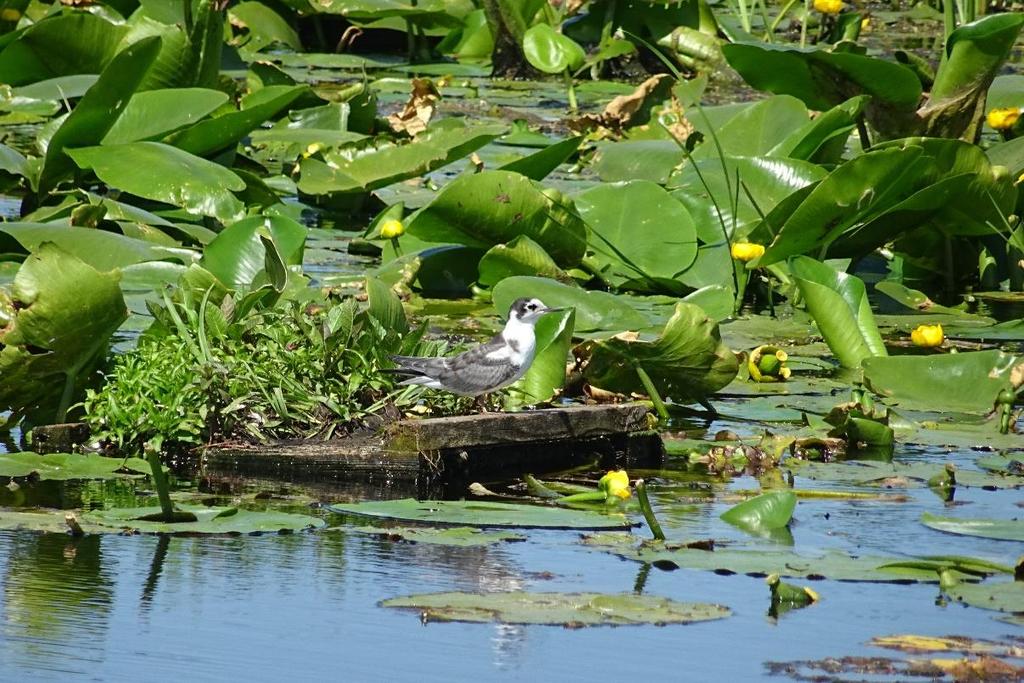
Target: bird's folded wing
477, 371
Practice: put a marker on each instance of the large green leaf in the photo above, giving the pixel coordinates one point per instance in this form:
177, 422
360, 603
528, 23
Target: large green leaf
521, 256
155, 113
60, 45
756, 130
166, 174
839, 305
546, 375
57, 321
688, 361
540, 164
189, 57
354, 169
771, 510
494, 207
653, 160
64, 466
98, 109
866, 185
237, 255
484, 514
549, 51
710, 194
100, 249
557, 609
1001, 529
224, 131
823, 79
974, 54
967, 382
595, 311
640, 230
265, 26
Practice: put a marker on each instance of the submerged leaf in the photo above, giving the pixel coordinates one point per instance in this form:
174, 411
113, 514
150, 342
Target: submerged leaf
557, 609
64, 466
228, 521
484, 514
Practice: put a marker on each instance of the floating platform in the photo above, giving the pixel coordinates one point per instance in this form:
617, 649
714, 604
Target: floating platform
453, 451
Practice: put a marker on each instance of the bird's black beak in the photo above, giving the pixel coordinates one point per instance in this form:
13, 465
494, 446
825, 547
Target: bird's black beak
555, 310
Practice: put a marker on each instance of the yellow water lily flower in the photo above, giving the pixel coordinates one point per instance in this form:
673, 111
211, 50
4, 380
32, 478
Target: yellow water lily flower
391, 229
746, 251
927, 335
1003, 119
829, 6
615, 483
768, 364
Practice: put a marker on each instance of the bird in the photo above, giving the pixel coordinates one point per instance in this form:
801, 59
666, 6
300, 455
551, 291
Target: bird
485, 368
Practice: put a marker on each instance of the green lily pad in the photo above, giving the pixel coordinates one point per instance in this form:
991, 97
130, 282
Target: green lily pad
688, 361
966, 382
874, 474
49, 521
834, 564
63, 466
639, 230
462, 537
494, 207
208, 521
771, 510
57, 320
557, 609
1003, 596
166, 174
484, 514
1001, 529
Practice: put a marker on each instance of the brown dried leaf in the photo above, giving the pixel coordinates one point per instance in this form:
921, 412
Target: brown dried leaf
627, 110
416, 114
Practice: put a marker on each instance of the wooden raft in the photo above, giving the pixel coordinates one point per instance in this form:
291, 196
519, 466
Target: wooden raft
459, 449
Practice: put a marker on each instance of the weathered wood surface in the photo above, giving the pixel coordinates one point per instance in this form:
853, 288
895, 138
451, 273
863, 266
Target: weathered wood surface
59, 438
490, 429
456, 449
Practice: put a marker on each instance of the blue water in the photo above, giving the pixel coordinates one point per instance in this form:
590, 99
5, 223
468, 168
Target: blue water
305, 606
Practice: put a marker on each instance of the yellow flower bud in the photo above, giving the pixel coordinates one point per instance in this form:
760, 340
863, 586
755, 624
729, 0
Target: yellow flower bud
865, 24
746, 251
9, 14
927, 335
829, 6
392, 229
615, 483
1003, 119
312, 149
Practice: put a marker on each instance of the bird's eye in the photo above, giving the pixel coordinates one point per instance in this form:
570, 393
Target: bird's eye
532, 307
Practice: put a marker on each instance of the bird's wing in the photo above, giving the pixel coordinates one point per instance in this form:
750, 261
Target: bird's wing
480, 369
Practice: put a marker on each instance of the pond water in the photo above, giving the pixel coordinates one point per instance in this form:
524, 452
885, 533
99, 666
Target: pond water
306, 605
109, 607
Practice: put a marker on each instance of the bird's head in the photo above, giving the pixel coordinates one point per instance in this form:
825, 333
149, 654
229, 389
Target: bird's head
529, 310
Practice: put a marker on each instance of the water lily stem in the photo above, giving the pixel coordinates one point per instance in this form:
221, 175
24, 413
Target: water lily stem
570, 88
645, 507
65, 397
862, 131
742, 277
652, 392
803, 23
163, 488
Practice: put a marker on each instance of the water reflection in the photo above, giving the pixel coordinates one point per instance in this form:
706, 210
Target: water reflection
56, 589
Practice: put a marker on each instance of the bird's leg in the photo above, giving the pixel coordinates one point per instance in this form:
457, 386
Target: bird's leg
481, 403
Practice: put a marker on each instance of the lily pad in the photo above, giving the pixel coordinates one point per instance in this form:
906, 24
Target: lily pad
495, 207
771, 510
688, 361
595, 311
1003, 596
1000, 529
557, 609
896, 475
462, 537
966, 382
208, 521
834, 564
166, 174
64, 466
484, 514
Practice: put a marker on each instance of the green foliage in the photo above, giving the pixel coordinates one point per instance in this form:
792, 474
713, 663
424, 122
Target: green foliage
297, 370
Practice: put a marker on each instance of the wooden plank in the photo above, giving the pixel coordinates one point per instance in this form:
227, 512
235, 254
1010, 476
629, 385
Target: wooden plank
456, 450
491, 429
59, 438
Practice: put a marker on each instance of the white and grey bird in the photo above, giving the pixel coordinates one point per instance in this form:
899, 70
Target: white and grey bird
485, 368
